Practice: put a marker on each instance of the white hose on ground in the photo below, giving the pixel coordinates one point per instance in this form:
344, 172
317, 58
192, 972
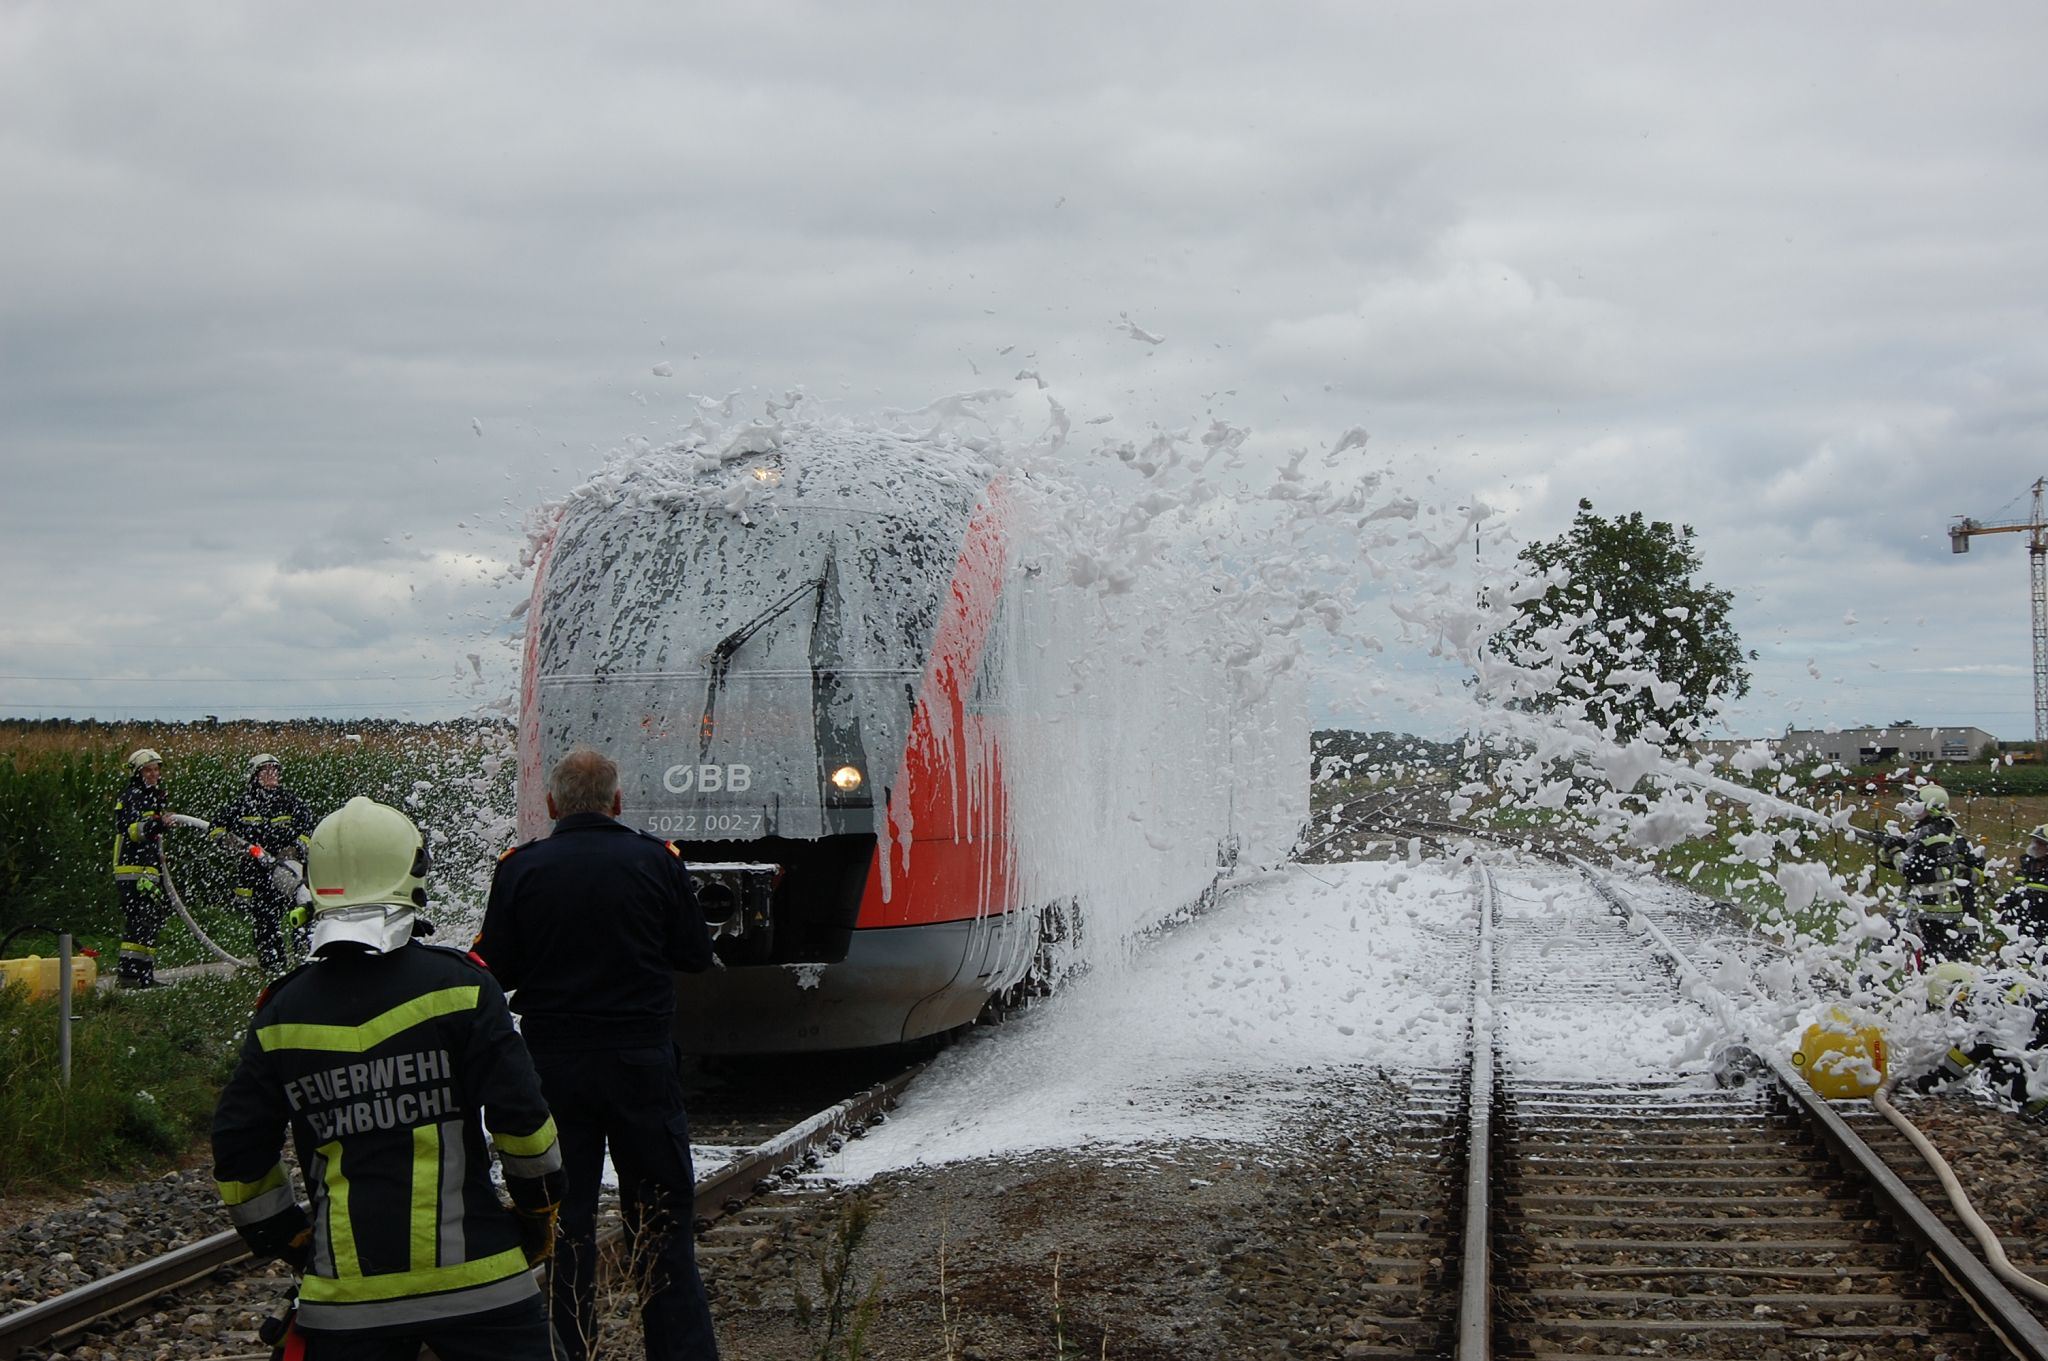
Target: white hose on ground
1994, 1251
171, 888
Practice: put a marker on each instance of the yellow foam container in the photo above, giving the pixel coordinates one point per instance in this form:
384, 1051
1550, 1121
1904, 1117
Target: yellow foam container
40, 973
1843, 1058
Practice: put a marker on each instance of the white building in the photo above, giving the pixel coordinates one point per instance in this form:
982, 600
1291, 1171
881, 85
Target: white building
1875, 746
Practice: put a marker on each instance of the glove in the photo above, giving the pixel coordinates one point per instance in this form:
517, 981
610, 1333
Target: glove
536, 1232
286, 876
148, 886
299, 1251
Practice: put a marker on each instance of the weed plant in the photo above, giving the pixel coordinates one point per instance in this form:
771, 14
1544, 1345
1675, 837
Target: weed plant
145, 1070
844, 1313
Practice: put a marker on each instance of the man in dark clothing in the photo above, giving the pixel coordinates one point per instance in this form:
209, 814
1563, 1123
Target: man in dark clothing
1940, 892
587, 927
141, 816
387, 1059
2023, 911
265, 814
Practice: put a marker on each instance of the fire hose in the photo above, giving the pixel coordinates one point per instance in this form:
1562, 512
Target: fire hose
1994, 1251
285, 874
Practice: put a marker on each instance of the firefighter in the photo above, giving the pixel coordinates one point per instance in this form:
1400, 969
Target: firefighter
265, 814
141, 816
588, 927
2023, 911
2004, 1030
1940, 888
387, 1059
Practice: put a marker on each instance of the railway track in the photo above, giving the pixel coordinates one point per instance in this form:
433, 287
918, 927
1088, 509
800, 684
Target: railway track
1602, 1207
743, 1152
1655, 1214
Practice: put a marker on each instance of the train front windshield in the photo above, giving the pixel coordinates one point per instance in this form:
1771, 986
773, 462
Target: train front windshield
751, 679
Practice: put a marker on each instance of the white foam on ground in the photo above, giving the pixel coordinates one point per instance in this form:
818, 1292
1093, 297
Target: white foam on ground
1205, 1035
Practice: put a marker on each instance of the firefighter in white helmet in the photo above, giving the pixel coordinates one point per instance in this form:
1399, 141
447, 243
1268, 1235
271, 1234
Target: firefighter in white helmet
387, 1059
1937, 864
142, 814
2023, 911
268, 815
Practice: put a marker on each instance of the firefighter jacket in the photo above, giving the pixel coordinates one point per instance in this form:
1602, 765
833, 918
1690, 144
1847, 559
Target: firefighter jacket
2024, 908
587, 926
387, 1069
1931, 861
137, 825
275, 819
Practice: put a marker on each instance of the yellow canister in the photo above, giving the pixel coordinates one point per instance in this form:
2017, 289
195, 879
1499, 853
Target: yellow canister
39, 974
1841, 1056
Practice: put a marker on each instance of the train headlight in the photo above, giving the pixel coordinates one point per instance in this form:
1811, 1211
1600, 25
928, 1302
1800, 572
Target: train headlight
847, 779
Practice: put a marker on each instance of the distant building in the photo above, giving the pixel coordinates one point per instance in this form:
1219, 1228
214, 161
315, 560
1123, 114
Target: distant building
1727, 748
1875, 746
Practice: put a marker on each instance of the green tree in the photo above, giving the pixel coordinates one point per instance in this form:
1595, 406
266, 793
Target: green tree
1627, 636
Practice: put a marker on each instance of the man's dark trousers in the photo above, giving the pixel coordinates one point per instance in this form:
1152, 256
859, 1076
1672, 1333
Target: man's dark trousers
631, 1100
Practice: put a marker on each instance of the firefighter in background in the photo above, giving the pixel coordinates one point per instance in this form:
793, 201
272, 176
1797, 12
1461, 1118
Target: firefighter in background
2023, 911
265, 814
141, 817
387, 1059
1940, 882
2005, 1031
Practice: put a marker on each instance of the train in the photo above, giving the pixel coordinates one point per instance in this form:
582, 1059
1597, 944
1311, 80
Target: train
908, 753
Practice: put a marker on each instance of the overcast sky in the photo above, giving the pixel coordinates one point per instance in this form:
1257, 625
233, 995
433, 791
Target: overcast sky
305, 305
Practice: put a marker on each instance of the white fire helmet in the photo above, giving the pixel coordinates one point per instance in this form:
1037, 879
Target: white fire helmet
366, 867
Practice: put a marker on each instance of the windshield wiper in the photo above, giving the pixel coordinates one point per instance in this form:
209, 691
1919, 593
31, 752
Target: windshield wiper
732, 642
721, 654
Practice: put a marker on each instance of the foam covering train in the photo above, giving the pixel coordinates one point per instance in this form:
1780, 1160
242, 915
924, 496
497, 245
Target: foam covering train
906, 749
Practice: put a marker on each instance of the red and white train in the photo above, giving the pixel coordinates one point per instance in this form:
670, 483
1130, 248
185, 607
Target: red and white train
804, 652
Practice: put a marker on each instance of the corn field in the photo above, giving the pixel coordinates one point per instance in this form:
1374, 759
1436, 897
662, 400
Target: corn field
58, 784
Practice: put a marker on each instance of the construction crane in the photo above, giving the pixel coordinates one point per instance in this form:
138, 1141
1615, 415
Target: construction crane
2035, 527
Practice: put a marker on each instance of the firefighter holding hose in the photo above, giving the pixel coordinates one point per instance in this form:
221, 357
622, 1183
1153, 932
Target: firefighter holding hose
1939, 867
265, 814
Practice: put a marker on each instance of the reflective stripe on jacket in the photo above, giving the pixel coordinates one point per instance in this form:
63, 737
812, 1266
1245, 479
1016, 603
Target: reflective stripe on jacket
275, 819
136, 855
387, 1070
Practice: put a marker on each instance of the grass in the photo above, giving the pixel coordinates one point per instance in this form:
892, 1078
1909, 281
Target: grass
145, 1071
148, 1067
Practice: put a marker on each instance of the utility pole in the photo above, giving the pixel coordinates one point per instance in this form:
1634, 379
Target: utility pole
2035, 527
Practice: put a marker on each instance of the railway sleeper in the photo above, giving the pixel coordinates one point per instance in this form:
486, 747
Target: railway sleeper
1710, 1305
1591, 1333
1681, 1163
1733, 1206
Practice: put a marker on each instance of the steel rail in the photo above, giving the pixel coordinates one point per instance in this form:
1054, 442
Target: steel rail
2001, 1311
716, 1194
125, 1288
1475, 1298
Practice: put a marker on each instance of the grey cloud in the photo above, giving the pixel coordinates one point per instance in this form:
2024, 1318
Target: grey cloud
1779, 280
